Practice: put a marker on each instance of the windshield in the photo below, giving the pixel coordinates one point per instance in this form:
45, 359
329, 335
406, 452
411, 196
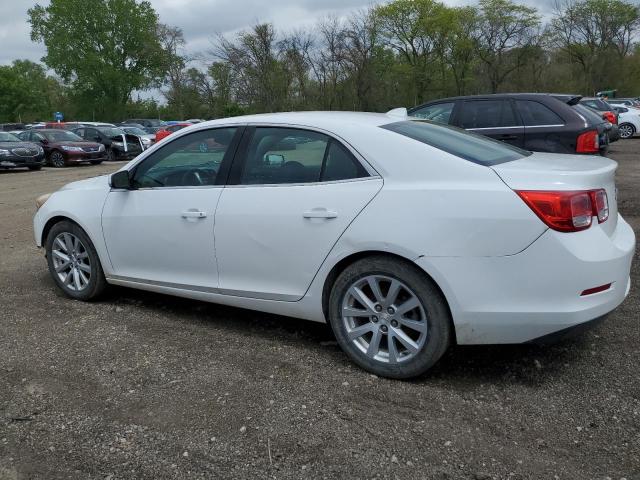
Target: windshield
469, 146
134, 131
8, 137
61, 136
111, 132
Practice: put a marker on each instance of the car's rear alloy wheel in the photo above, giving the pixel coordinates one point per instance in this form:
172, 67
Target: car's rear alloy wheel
57, 159
111, 155
73, 262
626, 130
389, 317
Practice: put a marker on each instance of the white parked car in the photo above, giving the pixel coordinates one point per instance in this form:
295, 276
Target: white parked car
628, 120
404, 235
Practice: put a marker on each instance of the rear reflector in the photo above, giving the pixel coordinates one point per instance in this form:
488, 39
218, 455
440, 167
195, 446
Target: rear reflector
567, 211
591, 291
588, 142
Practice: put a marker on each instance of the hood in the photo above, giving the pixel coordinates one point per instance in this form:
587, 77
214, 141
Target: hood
10, 145
88, 183
74, 144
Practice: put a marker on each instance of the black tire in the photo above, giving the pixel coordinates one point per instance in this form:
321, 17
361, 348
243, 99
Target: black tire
111, 155
96, 162
97, 282
437, 316
35, 167
56, 159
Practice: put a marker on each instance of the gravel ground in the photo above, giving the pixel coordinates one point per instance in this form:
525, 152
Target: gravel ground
147, 386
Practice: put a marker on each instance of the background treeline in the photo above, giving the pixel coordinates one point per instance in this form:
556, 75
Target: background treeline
102, 54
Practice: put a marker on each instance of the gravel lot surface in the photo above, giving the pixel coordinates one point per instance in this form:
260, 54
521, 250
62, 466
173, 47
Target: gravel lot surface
140, 385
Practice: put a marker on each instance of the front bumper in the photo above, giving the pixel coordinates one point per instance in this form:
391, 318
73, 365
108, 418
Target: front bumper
519, 298
15, 161
82, 157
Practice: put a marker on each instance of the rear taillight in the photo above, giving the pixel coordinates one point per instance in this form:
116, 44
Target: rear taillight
567, 211
610, 117
588, 142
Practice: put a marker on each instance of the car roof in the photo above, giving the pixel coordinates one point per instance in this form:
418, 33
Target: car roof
503, 95
319, 119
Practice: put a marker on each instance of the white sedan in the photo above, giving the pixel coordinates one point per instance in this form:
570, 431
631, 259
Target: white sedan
404, 235
628, 120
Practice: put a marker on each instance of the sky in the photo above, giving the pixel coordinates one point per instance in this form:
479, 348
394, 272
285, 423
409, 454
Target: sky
200, 20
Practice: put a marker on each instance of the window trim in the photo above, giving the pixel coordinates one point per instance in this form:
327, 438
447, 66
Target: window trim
223, 173
505, 103
240, 159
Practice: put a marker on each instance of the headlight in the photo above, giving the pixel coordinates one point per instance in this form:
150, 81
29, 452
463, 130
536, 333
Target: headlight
117, 144
40, 201
71, 149
40, 150
4, 153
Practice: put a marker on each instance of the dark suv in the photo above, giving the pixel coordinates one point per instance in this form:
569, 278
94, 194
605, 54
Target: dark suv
118, 144
533, 121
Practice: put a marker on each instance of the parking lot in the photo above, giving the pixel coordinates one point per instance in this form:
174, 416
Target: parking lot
141, 385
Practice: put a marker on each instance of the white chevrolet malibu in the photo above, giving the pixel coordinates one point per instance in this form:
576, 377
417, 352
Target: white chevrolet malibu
404, 235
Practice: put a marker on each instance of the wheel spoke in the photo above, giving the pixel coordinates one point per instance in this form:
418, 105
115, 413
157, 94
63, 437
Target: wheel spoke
392, 294
418, 326
62, 266
61, 243
360, 331
405, 340
374, 345
375, 288
68, 278
82, 256
76, 279
362, 298
393, 350
407, 306
61, 255
83, 277
355, 312
68, 241
84, 267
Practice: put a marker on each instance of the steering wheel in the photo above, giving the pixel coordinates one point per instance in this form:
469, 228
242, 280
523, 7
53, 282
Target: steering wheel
192, 178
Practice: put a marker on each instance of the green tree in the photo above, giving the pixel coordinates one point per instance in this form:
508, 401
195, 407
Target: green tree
106, 49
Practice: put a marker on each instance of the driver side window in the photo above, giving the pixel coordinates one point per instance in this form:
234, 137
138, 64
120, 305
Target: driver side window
190, 161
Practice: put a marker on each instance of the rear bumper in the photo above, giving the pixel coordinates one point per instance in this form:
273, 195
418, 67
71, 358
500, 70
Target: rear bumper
519, 298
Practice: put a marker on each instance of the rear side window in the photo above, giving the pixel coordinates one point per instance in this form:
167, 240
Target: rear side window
589, 115
487, 114
466, 145
440, 112
534, 113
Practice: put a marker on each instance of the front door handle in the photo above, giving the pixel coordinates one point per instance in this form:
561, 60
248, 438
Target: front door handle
320, 213
194, 214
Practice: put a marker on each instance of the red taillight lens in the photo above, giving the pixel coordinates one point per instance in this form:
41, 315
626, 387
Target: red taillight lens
610, 117
567, 211
588, 142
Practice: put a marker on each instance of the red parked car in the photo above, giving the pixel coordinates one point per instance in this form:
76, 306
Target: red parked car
164, 132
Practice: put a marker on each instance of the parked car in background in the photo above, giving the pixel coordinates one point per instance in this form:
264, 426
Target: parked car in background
629, 102
628, 121
63, 148
16, 153
11, 127
601, 106
168, 130
533, 121
147, 139
118, 144
510, 246
145, 122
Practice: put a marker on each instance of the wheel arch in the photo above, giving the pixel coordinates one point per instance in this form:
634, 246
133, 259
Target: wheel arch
345, 262
51, 222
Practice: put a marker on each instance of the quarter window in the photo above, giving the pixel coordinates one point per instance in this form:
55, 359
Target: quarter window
190, 161
535, 113
285, 155
440, 112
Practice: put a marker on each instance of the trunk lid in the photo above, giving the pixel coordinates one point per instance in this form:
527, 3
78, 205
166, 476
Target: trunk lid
550, 171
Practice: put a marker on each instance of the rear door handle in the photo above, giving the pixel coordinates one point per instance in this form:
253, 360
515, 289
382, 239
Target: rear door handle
320, 213
194, 214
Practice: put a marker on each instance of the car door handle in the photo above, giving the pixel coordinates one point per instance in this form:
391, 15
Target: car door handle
194, 214
320, 213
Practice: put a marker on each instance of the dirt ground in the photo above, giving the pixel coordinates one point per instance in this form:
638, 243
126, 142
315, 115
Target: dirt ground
148, 386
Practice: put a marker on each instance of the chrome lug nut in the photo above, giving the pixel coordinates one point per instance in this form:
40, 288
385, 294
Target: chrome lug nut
384, 328
394, 323
374, 319
391, 310
378, 308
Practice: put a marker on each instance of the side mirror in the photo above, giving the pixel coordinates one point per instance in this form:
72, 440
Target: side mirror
273, 159
121, 180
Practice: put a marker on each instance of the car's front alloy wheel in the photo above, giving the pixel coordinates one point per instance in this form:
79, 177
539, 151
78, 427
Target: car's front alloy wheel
389, 317
73, 262
57, 159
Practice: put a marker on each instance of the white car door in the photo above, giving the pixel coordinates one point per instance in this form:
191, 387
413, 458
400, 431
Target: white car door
292, 194
161, 230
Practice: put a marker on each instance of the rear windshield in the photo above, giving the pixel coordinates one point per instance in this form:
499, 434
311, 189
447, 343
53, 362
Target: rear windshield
592, 117
461, 143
